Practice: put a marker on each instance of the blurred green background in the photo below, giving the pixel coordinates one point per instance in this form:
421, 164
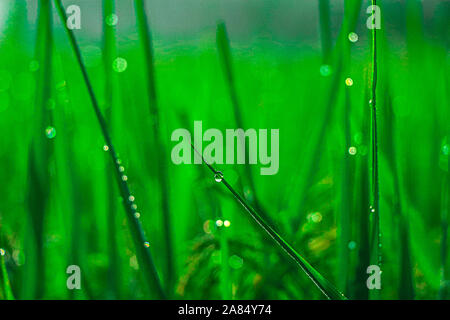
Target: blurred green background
60, 203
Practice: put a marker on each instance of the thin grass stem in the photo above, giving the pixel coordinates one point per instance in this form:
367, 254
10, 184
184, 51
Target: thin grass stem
328, 289
163, 176
141, 243
375, 190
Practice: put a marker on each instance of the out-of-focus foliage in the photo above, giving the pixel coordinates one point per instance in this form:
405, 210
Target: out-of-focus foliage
59, 201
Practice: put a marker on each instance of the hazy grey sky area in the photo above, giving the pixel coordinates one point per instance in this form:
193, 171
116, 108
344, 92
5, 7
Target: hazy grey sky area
287, 21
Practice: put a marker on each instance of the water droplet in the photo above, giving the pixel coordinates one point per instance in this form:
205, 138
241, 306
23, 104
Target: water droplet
120, 65
105, 148
372, 210
352, 150
315, 217
134, 206
219, 223
137, 215
445, 149
325, 70
50, 132
353, 37
118, 161
349, 82
226, 223
218, 176
2, 252
352, 245
131, 198
121, 169
146, 244
124, 178
112, 20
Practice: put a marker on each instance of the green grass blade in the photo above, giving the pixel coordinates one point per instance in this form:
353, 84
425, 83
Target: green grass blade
326, 287
40, 154
163, 159
375, 183
139, 238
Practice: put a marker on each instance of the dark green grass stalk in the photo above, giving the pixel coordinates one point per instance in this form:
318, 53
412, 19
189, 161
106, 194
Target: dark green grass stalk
143, 252
405, 286
223, 46
328, 289
163, 159
41, 150
111, 86
391, 148
375, 188
6, 292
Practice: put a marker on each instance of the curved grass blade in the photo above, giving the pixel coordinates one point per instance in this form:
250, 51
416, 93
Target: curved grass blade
326, 287
143, 251
375, 188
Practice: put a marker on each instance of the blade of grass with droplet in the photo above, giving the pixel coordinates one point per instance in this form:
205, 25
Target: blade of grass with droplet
375, 184
143, 251
326, 287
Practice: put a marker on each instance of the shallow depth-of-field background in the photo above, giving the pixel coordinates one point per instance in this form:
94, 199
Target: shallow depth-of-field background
292, 61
